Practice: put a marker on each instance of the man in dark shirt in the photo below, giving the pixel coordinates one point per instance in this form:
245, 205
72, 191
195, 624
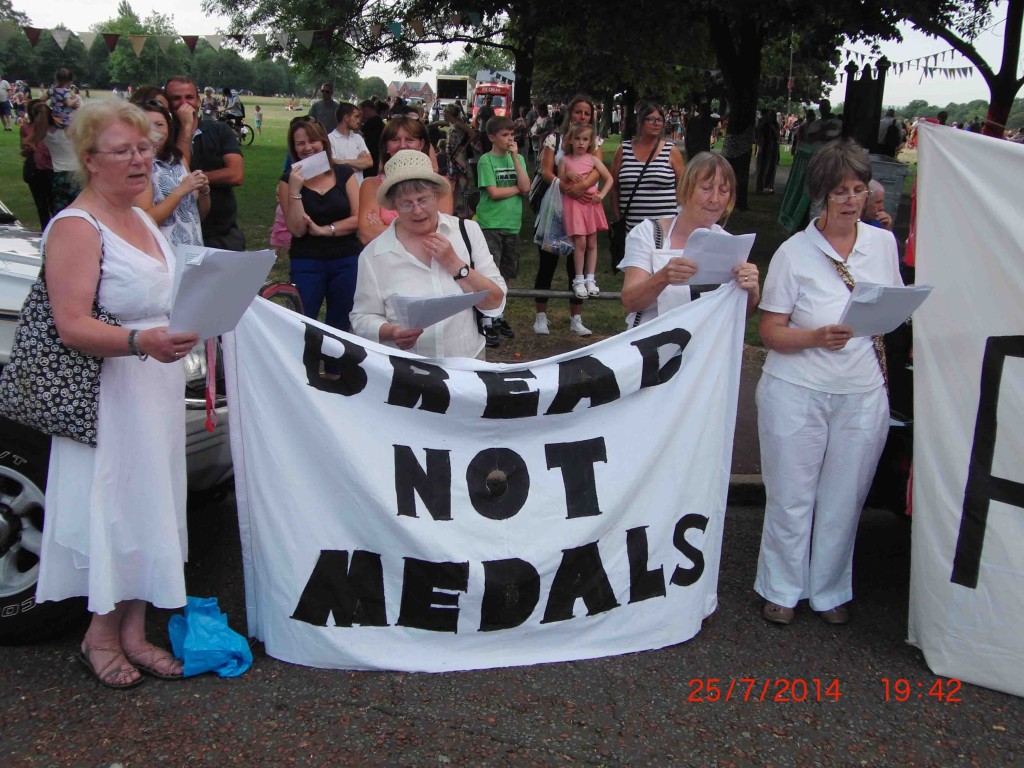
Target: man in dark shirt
485, 113
215, 150
325, 111
373, 127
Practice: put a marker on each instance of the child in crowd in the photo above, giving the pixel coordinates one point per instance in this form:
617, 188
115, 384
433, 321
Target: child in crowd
257, 118
501, 175
583, 220
443, 161
63, 98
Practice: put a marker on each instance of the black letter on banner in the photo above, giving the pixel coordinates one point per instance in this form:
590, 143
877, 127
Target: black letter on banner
583, 377
684, 577
982, 487
434, 485
643, 584
508, 396
420, 598
353, 378
576, 461
498, 482
354, 595
511, 592
652, 376
580, 574
414, 381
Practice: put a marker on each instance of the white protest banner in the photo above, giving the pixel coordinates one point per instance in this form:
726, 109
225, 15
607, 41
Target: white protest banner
435, 515
967, 560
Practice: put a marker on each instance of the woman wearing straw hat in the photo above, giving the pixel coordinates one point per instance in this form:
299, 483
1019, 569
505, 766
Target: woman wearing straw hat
425, 253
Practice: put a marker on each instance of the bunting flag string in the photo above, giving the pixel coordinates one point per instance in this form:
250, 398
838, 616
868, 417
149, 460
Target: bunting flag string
138, 42
61, 37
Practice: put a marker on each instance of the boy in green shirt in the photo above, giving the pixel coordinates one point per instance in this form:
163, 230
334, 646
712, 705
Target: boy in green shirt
501, 175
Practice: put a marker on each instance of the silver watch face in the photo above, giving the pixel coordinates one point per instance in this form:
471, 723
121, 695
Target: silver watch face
464, 272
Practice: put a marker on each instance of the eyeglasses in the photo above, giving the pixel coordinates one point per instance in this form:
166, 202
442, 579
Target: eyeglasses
654, 120
841, 199
121, 155
424, 203
303, 119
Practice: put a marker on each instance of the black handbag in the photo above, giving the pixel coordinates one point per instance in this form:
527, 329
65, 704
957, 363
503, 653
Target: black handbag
46, 385
617, 229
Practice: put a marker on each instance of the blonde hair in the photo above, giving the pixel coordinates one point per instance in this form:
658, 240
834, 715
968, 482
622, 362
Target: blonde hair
705, 166
93, 118
576, 129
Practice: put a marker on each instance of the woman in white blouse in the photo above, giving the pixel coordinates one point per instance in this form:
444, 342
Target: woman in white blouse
823, 411
424, 253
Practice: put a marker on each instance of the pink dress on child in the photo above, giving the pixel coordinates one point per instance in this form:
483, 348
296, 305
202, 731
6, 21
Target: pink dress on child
582, 218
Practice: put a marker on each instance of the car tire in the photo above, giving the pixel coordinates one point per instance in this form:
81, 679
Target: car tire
24, 460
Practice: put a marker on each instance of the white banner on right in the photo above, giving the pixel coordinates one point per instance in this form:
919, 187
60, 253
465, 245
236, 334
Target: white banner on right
967, 557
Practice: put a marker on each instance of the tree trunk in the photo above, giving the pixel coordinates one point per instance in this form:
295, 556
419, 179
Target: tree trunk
524, 74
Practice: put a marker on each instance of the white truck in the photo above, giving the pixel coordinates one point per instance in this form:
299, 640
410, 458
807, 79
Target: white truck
452, 88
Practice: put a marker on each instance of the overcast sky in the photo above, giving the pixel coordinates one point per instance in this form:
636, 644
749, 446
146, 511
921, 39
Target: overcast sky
189, 19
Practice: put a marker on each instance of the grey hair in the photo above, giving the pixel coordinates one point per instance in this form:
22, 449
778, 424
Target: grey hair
832, 164
412, 186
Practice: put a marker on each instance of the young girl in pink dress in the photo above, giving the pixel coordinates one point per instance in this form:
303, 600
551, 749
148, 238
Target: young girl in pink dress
583, 220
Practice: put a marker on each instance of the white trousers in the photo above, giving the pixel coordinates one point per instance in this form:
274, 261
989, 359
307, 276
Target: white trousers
818, 456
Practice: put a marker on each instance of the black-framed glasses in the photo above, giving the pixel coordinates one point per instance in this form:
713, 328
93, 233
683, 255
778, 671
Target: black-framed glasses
655, 120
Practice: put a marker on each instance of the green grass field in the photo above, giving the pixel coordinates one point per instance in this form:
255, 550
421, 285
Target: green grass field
256, 203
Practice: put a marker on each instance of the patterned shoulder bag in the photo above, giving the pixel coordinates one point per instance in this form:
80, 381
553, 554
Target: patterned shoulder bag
879, 341
46, 385
659, 243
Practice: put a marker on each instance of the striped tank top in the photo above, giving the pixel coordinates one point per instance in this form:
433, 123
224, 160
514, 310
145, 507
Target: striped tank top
656, 196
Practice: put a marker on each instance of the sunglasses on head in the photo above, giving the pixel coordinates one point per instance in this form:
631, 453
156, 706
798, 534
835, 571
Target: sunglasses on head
303, 119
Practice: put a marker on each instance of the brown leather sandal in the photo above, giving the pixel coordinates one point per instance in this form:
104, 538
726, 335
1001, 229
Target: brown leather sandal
113, 674
151, 659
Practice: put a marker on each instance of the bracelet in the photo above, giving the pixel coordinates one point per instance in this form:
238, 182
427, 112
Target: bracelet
204, 194
133, 344
295, 197
334, 232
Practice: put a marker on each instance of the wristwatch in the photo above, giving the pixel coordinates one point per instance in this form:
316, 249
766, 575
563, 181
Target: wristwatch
464, 272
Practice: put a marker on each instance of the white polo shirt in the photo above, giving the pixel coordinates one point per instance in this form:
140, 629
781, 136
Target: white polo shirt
347, 148
803, 284
387, 269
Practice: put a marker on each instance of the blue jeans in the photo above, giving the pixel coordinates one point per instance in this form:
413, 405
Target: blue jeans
333, 279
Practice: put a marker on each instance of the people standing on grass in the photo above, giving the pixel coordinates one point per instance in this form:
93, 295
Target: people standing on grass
583, 220
257, 119
38, 168
501, 174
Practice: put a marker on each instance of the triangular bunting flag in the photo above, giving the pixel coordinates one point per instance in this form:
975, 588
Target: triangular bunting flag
260, 39
323, 38
7, 31
32, 33
282, 39
110, 39
475, 18
305, 37
164, 41
375, 30
138, 43
214, 40
456, 20
395, 28
61, 37
190, 41
87, 38
239, 39
417, 27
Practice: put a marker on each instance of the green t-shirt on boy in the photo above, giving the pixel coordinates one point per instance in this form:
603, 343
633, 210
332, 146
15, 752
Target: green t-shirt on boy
498, 171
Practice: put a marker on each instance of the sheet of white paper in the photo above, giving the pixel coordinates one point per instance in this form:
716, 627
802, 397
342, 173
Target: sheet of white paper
313, 165
874, 309
213, 288
716, 253
423, 312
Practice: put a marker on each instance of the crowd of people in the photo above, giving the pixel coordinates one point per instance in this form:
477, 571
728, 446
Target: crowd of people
155, 171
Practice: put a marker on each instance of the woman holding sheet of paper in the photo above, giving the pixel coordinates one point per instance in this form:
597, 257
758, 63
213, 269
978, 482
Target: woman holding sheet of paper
321, 214
424, 253
823, 410
115, 512
707, 195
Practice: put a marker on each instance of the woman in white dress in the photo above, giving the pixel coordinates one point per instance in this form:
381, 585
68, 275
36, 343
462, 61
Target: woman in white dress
115, 514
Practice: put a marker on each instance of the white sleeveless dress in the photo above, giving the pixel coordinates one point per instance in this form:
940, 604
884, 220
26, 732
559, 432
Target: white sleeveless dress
115, 514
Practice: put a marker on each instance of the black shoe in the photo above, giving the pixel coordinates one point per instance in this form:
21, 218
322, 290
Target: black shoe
504, 328
491, 336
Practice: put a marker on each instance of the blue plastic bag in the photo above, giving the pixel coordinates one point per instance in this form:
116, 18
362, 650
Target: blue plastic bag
203, 640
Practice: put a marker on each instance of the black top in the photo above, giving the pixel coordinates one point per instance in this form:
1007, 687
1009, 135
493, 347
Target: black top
209, 146
484, 114
326, 209
373, 127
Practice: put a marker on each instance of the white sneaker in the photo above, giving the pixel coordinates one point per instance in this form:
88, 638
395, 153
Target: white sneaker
579, 288
540, 325
576, 326
592, 289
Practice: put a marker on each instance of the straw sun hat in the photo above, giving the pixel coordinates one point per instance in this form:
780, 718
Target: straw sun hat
406, 165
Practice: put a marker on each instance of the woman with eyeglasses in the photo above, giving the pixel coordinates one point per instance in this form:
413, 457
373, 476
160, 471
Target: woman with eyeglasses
823, 409
321, 215
401, 132
646, 169
176, 198
115, 513
427, 253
